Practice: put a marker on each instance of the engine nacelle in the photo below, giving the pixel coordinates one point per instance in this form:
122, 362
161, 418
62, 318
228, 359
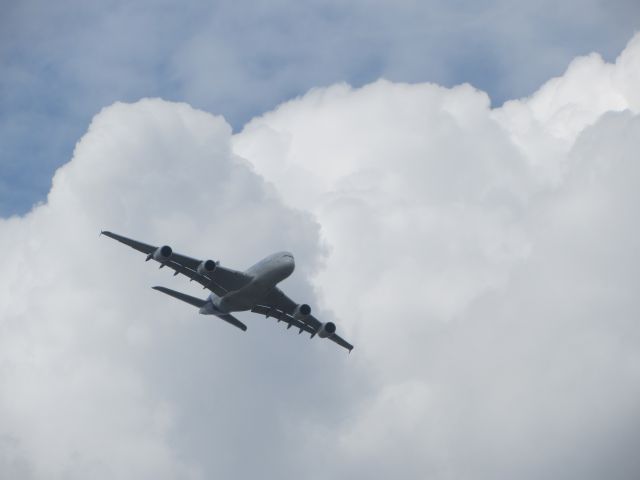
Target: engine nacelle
162, 254
207, 267
327, 329
302, 311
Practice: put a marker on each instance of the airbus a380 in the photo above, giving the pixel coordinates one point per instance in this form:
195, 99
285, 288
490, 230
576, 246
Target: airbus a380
234, 291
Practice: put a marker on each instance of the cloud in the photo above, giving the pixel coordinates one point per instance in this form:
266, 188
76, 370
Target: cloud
101, 377
483, 262
61, 62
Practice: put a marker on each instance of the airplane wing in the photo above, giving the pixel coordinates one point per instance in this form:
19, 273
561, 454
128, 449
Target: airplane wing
220, 281
277, 305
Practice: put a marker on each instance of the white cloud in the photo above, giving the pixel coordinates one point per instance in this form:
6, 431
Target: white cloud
484, 262
89, 370
241, 58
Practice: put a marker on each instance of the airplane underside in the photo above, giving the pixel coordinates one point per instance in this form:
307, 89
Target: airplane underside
254, 289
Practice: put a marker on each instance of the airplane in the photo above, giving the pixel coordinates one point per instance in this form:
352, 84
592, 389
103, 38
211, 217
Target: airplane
253, 290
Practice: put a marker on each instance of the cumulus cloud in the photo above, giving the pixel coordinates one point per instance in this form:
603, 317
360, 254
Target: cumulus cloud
60, 62
100, 377
483, 261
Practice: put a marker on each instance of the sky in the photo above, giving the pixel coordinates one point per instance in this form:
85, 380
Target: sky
458, 185
62, 62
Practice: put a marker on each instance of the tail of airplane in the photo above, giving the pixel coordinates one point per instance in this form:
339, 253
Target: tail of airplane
199, 303
196, 302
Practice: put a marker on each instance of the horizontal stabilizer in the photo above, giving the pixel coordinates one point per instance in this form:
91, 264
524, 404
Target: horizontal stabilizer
232, 320
196, 302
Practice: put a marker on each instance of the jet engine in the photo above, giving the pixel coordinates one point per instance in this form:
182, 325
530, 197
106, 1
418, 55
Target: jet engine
303, 310
162, 254
327, 329
207, 267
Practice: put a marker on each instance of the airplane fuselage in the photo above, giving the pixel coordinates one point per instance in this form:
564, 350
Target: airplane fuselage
266, 274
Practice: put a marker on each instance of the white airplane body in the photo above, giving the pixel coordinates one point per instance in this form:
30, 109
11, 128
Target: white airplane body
233, 291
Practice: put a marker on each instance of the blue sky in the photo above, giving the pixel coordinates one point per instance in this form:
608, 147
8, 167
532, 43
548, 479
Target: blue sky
61, 62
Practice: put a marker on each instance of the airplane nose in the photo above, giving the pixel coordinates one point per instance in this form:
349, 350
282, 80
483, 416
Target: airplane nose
288, 264
291, 264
